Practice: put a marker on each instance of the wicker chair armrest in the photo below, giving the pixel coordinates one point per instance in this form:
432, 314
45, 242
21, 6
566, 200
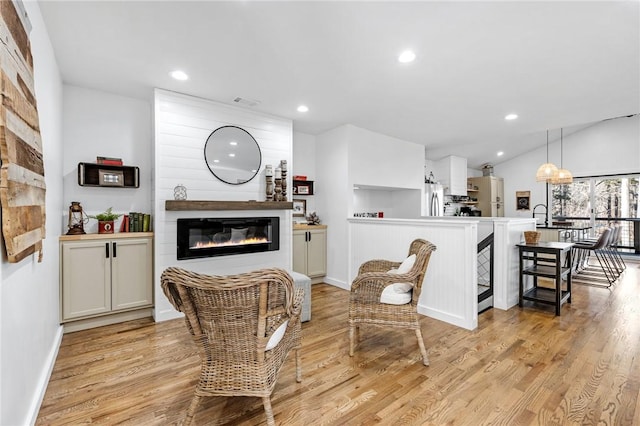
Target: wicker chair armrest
298, 299
377, 265
373, 283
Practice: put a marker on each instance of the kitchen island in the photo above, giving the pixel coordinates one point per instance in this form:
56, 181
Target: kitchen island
450, 289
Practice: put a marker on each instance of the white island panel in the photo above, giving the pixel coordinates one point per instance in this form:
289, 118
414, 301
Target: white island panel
449, 290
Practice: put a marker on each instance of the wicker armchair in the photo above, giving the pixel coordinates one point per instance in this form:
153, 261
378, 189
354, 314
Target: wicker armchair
365, 306
232, 320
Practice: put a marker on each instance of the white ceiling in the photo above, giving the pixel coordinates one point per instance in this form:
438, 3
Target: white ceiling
556, 64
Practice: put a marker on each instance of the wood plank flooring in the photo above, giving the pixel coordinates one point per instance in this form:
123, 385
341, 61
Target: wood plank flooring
523, 366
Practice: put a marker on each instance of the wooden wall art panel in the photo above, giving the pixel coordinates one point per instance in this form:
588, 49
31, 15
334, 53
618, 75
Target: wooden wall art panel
22, 184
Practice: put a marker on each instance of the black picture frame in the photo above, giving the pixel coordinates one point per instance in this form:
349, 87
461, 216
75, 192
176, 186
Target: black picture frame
299, 208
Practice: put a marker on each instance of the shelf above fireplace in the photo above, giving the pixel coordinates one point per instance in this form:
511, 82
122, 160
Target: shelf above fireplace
184, 205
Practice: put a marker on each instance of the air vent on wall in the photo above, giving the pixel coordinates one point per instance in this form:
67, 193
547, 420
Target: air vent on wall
246, 102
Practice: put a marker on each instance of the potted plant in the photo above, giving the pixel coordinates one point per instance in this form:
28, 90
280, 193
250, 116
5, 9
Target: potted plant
105, 221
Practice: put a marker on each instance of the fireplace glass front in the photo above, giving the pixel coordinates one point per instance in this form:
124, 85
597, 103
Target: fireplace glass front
208, 237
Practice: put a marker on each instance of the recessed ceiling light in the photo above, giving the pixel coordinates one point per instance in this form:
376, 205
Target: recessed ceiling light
406, 56
500, 153
232, 155
233, 143
216, 161
511, 116
179, 75
303, 108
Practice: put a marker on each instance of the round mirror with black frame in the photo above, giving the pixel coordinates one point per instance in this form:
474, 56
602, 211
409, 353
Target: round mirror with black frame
232, 155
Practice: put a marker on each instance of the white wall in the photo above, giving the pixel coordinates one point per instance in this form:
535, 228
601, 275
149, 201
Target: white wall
376, 159
30, 332
182, 126
304, 163
98, 123
332, 199
348, 156
608, 147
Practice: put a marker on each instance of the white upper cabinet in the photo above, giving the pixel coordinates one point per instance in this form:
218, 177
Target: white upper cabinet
452, 174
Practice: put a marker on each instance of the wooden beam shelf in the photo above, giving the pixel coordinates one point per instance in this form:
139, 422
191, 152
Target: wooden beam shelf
183, 205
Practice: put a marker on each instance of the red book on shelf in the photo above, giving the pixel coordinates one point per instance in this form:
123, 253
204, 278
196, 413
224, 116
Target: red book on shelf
299, 177
110, 162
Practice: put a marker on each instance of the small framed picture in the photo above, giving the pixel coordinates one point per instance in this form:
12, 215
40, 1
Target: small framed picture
303, 190
111, 178
299, 208
522, 200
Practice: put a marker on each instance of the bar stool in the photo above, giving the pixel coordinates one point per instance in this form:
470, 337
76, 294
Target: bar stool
584, 249
615, 253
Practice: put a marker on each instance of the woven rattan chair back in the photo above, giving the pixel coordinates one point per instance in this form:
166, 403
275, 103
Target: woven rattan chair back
232, 318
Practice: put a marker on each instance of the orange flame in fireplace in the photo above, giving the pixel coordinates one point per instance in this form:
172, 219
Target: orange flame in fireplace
212, 244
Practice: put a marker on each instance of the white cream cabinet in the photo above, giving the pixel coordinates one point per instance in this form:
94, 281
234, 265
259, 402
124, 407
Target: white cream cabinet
103, 275
310, 251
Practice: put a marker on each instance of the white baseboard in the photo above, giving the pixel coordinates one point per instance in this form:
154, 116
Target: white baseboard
337, 283
166, 315
45, 375
468, 323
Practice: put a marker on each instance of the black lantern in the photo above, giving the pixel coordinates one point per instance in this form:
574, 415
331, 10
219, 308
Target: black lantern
76, 219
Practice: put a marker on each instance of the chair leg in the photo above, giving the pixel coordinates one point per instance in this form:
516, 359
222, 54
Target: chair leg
352, 332
192, 410
425, 359
266, 400
298, 366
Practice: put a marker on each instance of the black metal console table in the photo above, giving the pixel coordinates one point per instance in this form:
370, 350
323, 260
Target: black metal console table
548, 268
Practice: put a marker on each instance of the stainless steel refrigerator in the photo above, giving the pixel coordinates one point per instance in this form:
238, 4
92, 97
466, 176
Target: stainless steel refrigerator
434, 199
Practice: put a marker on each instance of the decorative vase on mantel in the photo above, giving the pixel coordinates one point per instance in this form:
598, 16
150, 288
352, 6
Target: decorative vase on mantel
268, 172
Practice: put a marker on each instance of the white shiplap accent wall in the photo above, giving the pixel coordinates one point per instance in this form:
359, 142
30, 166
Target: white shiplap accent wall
182, 125
449, 290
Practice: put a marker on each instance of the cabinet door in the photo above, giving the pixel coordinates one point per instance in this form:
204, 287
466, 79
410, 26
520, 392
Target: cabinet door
317, 253
497, 190
86, 278
300, 252
131, 269
458, 175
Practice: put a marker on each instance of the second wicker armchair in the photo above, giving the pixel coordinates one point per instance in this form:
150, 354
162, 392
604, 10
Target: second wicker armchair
375, 277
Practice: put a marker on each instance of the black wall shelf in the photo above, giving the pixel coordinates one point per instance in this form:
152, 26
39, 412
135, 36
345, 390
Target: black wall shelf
106, 175
302, 187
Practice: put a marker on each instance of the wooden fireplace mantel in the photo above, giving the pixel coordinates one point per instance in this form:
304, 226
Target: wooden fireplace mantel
183, 205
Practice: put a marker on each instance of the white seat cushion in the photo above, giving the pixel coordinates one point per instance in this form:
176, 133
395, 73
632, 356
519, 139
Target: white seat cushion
392, 297
277, 336
405, 267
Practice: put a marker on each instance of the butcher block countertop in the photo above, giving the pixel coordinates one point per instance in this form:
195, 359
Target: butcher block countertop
114, 236
304, 226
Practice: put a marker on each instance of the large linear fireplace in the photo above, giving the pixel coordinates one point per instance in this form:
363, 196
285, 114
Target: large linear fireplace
208, 237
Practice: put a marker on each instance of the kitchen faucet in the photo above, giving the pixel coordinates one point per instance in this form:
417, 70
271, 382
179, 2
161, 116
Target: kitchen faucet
546, 213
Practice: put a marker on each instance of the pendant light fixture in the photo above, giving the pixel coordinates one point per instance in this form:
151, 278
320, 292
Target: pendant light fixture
563, 175
548, 170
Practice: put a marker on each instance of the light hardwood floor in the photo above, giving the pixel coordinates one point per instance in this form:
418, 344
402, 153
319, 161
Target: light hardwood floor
519, 367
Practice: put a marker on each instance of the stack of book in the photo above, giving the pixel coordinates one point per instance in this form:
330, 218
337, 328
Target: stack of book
136, 222
109, 161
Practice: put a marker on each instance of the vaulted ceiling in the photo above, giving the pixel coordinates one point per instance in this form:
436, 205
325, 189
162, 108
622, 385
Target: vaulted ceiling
554, 63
